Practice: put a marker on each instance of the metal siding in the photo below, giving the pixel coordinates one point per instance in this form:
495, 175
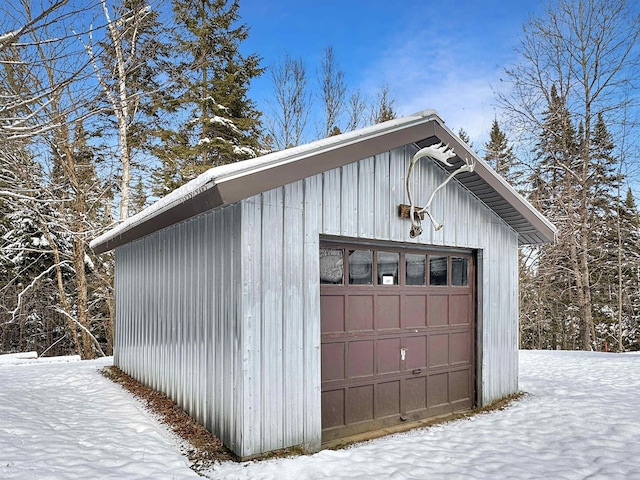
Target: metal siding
382, 207
166, 323
366, 199
311, 288
348, 210
283, 268
272, 348
293, 314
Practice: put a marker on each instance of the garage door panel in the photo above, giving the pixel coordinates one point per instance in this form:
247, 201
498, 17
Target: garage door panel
333, 408
416, 352
360, 358
387, 312
333, 361
438, 350
332, 307
415, 394
360, 315
415, 308
459, 309
388, 399
388, 352
459, 348
438, 310
459, 383
437, 393
359, 404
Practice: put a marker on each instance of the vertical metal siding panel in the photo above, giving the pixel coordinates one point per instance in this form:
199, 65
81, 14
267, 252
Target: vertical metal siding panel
382, 199
154, 344
199, 347
272, 246
228, 314
421, 180
236, 313
500, 311
399, 159
211, 320
121, 264
287, 348
450, 202
220, 331
174, 318
439, 201
220, 327
331, 201
365, 216
252, 325
293, 314
311, 321
347, 190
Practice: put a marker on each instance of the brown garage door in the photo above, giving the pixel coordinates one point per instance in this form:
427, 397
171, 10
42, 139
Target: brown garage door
397, 336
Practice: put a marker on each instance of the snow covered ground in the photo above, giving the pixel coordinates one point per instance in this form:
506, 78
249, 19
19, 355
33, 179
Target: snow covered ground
580, 420
64, 420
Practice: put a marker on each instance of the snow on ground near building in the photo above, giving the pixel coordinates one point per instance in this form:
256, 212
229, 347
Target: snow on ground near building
580, 420
66, 421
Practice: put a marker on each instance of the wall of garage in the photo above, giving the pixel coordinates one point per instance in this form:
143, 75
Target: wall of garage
281, 230
169, 287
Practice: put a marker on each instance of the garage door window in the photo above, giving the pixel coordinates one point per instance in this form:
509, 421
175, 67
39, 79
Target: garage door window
459, 271
415, 265
437, 270
331, 266
387, 264
360, 267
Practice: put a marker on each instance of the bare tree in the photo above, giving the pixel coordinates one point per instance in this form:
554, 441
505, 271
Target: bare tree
291, 104
27, 31
119, 64
332, 92
586, 51
356, 108
382, 110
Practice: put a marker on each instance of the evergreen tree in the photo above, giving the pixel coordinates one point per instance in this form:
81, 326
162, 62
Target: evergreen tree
464, 136
220, 124
499, 154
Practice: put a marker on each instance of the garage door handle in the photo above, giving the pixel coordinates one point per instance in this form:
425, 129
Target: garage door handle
415, 371
403, 354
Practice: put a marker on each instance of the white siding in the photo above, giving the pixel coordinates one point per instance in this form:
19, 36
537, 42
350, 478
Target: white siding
222, 312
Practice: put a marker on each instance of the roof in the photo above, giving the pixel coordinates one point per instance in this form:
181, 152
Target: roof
231, 183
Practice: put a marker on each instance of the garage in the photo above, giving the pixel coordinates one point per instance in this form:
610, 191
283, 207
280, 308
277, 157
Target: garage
354, 283
397, 335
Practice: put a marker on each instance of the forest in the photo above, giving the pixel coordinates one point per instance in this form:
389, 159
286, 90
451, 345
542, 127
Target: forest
107, 105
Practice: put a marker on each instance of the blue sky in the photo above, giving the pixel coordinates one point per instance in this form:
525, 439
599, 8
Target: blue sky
446, 55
